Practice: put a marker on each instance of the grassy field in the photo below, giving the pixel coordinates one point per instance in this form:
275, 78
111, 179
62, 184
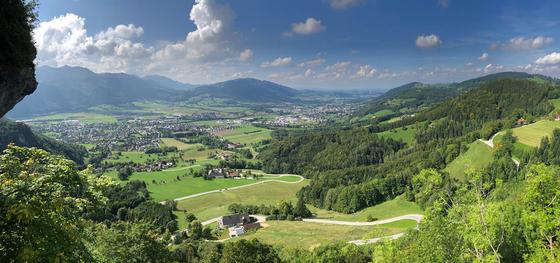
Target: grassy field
137, 157
478, 156
297, 234
213, 205
396, 207
246, 134
406, 135
179, 144
81, 116
532, 134
168, 187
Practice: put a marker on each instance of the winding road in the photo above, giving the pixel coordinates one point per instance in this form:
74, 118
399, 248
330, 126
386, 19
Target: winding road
490, 143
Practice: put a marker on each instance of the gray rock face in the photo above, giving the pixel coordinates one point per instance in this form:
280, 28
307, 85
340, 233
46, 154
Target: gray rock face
14, 86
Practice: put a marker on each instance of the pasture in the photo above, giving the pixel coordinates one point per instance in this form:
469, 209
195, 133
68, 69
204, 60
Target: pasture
388, 209
297, 234
216, 204
478, 156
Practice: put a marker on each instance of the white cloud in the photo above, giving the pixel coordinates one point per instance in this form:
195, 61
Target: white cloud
308, 73
522, 43
312, 63
490, 68
208, 41
365, 71
550, 59
339, 66
428, 41
281, 61
246, 55
121, 31
308, 27
483, 57
64, 41
343, 4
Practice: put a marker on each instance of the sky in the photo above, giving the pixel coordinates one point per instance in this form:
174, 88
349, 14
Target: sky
312, 44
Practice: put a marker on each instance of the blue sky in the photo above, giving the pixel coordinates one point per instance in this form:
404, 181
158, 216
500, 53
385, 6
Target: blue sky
321, 44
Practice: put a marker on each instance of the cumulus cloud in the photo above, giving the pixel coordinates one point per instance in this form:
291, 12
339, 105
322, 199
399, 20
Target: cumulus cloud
428, 41
65, 41
483, 57
208, 41
343, 4
307, 27
246, 55
523, 43
550, 59
281, 61
365, 71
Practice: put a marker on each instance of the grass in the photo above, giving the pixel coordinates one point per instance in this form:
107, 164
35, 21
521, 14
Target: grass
246, 134
383, 113
531, 135
297, 234
179, 144
396, 207
168, 187
404, 134
137, 157
81, 116
216, 204
478, 156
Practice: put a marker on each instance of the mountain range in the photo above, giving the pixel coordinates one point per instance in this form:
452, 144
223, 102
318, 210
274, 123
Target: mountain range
71, 89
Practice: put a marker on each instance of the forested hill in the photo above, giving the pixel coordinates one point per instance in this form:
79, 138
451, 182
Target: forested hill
246, 90
442, 133
21, 135
416, 96
498, 99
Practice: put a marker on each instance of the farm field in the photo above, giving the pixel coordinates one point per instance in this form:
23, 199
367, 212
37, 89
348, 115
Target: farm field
81, 116
216, 204
297, 234
406, 135
137, 157
388, 209
245, 134
532, 134
478, 156
179, 144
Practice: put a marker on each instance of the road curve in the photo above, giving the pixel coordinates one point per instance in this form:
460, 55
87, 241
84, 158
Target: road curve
242, 186
415, 217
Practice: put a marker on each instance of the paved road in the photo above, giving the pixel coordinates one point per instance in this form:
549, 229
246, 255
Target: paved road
415, 217
490, 143
243, 186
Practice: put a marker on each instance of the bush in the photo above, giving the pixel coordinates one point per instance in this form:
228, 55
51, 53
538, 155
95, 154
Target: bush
290, 218
371, 218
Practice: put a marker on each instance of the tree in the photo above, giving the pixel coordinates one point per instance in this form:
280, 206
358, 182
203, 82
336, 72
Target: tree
42, 200
195, 230
250, 251
126, 242
301, 210
125, 172
541, 211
